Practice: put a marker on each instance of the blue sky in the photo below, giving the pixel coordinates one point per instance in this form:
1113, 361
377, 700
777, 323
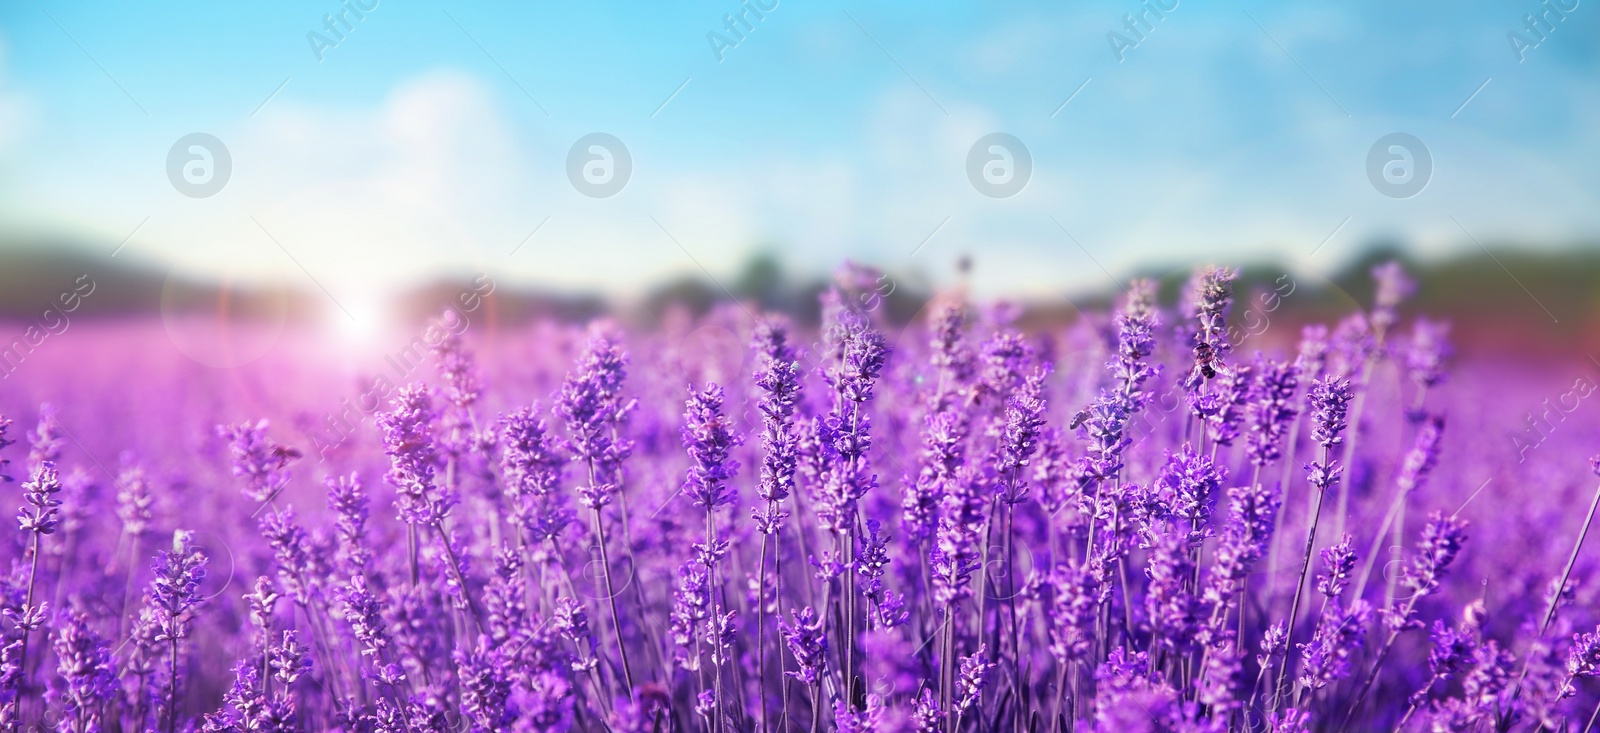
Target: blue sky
433, 137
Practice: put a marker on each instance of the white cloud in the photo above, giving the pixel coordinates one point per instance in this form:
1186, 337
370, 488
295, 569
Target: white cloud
362, 197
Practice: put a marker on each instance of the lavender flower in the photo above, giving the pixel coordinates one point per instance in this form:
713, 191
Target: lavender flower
11, 679
1340, 633
847, 430
288, 659
1019, 441
808, 644
544, 703
1323, 477
1441, 541
88, 673
1210, 297
45, 439
134, 501
691, 605
1452, 654
865, 353
779, 381
290, 546
926, 716
1312, 356
710, 441
1274, 643
591, 403
504, 599
950, 354
80, 501
869, 720
1584, 661
1225, 412
1105, 429
942, 456
1130, 698
873, 562
1351, 345
1424, 454
1078, 591
175, 591
1005, 356
1060, 479
1135, 342
258, 460
1427, 352
1442, 538
571, 620
1249, 531
1330, 403
1330, 400
969, 686
361, 607
1290, 720
143, 658
1481, 690
1222, 677
42, 513
485, 691
174, 595
243, 704
364, 615
1393, 286
1338, 563
640, 715
1173, 610
348, 500
37, 519
461, 387
1186, 492
530, 466
262, 601
1271, 409
955, 554
413, 458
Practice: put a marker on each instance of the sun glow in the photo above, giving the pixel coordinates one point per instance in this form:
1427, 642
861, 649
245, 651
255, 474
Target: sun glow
360, 318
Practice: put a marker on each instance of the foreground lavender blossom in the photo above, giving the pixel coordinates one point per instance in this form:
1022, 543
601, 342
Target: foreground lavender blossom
173, 597
982, 528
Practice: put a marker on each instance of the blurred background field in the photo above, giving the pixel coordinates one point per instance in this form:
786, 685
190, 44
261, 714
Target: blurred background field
1511, 302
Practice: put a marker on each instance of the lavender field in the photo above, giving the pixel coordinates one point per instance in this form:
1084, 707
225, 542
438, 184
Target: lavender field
1151, 519
747, 366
